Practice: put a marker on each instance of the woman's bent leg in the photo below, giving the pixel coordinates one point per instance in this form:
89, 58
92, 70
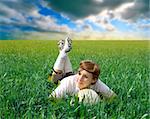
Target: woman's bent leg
62, 64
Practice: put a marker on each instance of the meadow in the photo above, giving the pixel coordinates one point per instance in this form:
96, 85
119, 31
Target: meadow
26, 64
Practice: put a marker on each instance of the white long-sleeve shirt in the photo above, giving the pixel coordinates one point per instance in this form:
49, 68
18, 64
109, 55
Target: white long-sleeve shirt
68, 86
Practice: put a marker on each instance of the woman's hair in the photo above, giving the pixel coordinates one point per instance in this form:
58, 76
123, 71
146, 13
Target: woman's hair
90, 67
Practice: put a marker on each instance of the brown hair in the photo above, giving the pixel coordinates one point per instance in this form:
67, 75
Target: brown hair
90, 67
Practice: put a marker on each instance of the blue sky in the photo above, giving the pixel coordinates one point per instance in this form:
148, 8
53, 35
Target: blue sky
81, 19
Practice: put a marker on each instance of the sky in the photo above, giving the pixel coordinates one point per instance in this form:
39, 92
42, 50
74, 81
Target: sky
79, 19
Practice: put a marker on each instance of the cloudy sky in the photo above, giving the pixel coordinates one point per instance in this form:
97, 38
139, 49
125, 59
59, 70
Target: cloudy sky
81, 19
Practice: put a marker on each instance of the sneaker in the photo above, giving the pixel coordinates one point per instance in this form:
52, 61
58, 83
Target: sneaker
61, 44
67, 45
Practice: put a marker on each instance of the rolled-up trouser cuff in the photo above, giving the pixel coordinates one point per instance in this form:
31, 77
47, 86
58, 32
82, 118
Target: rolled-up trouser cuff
58, 77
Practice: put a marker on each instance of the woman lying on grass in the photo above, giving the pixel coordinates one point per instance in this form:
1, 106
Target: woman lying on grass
72, 84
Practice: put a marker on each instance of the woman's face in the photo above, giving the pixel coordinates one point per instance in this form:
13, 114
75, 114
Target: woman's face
84, 79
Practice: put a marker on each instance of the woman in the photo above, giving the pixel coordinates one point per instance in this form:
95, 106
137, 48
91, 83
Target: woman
86, 78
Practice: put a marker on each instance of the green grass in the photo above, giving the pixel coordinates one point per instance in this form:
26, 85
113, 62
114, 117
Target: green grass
25, 65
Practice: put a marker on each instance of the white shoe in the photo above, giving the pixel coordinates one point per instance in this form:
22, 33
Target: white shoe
61, 44
67, 45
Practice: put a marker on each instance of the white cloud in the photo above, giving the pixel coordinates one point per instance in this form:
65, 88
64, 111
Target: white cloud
39, 22
7, 20
102, 20
124, 7
9, 12
48, 23
143, 26
99, 1
119, 11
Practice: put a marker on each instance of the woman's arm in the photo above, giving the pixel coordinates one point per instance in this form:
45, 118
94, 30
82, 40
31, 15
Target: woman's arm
60, 91
105, 91
65, 87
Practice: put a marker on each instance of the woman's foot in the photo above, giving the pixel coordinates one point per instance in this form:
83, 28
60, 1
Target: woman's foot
65, 45
61, 44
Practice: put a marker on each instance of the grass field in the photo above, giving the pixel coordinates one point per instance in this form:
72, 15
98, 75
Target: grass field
24, 89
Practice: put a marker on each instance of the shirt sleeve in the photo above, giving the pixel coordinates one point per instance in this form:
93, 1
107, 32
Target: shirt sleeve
102, 89
62, 89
